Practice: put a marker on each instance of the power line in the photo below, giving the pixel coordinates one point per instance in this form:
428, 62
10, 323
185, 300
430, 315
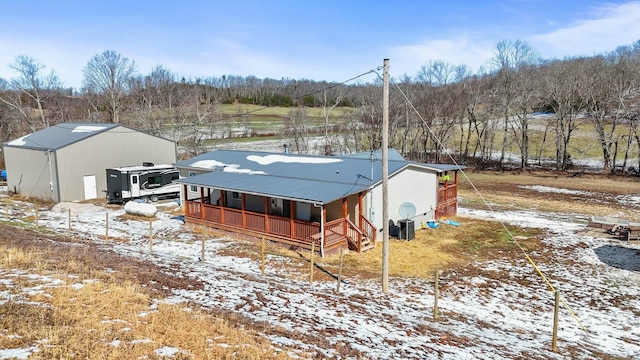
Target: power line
486, 203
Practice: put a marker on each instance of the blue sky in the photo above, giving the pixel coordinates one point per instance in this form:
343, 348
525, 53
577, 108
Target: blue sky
329, 40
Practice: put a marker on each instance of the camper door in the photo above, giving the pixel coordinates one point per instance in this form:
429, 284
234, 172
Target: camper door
134, 185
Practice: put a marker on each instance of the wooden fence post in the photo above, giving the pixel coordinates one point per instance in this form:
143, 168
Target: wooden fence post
554, 342
6, 211
69, 227
262, 256
202, 255
37, 225
340, 270
150, 235
435, 297
106, 230
313, 250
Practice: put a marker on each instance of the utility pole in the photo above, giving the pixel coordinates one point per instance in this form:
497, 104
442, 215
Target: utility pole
385, 178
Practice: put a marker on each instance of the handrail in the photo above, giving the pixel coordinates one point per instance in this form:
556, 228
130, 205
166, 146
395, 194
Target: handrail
354, 231
369, 229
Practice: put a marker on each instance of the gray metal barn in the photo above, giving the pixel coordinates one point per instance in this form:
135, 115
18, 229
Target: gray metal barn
68, 161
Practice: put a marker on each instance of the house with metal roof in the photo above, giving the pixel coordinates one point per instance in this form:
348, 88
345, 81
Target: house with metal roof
332, 202
68, 161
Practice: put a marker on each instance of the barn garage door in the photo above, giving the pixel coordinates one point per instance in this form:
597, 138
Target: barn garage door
90, 191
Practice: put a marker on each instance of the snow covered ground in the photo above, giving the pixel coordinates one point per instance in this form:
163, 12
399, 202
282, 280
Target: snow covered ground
504, 309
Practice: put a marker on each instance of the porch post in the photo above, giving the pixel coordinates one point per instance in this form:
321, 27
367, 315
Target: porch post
360, 197
266, 214
345, 213
292, 213
223, 204
446, 189
244, 216
186, 206
323, 229
202, 203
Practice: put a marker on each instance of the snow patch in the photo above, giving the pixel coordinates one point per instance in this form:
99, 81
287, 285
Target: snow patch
19, 141
87, 128
549, 189
234, 168
141, 209
270, 159
21, 353
167, 351
208, 164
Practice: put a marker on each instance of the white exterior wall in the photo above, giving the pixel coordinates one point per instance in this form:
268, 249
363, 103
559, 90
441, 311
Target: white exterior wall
192, 194
334, 209
30, 173
413, 185
117, 147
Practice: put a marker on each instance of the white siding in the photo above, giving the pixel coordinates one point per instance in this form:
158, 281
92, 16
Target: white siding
414, 185
334, 209
117, 147
29, 173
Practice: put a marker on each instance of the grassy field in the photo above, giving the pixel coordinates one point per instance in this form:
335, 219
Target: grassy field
259, 110
93, 304
587, 194
79, 310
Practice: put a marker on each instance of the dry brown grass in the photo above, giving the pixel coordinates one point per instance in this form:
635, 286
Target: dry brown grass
107, 318
504, 190
447, 247
443, 248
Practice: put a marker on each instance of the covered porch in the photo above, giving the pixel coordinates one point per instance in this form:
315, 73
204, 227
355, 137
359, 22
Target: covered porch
294, 222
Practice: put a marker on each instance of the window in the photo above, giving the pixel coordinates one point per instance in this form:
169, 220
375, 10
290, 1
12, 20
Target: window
235, 195
155, 180
193, 173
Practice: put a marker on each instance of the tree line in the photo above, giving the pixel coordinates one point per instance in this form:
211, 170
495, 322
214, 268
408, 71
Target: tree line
445, 109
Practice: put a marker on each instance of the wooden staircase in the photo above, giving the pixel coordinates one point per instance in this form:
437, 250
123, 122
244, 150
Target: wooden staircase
359, 239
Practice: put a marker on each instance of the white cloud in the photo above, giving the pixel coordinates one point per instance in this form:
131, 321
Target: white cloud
612, 26
408, 59
67, 60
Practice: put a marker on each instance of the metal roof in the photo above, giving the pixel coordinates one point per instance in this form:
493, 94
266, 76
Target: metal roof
309, 178
60, 135
299, 189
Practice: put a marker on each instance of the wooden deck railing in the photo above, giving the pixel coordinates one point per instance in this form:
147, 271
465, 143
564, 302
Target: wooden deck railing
337, 232
268, 224
447, 201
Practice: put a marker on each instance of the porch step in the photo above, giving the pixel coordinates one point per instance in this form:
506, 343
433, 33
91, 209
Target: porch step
367, 245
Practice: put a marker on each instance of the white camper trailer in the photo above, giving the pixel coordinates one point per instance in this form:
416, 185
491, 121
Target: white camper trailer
148, 182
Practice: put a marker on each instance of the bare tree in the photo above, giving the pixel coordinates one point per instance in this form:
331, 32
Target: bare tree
611, 94
107, 75
154, 98
296, 126
564, 83
331, 99
27, 92
437, 72
509, 58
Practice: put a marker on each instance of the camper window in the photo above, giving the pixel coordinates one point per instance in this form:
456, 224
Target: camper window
154, 180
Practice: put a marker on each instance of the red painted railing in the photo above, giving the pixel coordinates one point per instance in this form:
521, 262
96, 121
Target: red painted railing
303, 232
281, 226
